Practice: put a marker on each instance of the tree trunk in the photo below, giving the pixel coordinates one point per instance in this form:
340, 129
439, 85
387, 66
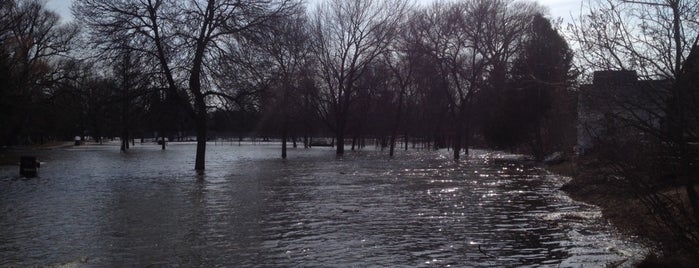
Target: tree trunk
124, 137
394, 131
124, 125
200, 159
457, 146
466, 139
538, 142
340, 139
199, 107
458, 135
405, 139
340, 136
284, 137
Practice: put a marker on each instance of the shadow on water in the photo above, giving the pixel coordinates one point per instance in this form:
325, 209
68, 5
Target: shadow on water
96, 206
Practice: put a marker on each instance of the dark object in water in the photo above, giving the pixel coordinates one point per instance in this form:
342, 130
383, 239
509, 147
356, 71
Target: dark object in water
28, 166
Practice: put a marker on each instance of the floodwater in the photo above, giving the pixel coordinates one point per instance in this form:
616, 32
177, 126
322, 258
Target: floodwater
94, 206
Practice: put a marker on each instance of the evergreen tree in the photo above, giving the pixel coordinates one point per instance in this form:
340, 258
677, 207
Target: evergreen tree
541, 77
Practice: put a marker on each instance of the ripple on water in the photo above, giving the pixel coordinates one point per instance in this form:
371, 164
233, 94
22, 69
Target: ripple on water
97, 206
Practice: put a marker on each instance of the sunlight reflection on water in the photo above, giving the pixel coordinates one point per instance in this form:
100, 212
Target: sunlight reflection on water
93, 205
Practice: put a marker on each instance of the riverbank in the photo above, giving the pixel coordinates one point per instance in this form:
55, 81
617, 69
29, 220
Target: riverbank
622, 208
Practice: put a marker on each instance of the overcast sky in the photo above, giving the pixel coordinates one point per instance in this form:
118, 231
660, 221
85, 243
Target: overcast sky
558, 8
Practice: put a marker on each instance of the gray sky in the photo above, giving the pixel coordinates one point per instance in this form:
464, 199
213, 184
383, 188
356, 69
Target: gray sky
62, 7
558, 8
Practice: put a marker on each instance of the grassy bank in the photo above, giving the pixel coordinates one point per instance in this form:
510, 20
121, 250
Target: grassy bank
624, 209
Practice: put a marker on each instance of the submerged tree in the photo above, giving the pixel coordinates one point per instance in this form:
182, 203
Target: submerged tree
469, 42
288, 47
185, 37
347, 37
133, 87
401, 58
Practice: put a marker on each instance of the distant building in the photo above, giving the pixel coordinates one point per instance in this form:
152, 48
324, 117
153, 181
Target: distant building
618, 104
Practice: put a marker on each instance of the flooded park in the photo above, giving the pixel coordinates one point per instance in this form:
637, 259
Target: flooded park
599, 99
94, 206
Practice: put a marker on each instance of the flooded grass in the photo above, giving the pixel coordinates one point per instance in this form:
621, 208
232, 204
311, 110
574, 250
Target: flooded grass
95, 206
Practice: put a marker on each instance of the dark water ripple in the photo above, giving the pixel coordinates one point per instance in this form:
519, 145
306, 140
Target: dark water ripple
92, 206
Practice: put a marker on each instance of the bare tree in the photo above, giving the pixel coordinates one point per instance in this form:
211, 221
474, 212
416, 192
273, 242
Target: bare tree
185, 37
653, 37
658, 39
401, 61
347, 37
469, 41
135, 85
288, 46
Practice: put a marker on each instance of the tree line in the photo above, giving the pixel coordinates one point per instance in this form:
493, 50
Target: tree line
448, 74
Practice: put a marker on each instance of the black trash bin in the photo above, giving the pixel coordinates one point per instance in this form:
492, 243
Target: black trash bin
28, 166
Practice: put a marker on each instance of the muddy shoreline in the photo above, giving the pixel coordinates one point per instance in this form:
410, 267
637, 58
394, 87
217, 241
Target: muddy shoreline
623, 209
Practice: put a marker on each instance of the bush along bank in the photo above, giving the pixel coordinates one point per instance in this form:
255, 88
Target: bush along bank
635, 207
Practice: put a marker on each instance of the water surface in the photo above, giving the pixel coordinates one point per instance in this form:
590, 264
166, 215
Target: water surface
95, 206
